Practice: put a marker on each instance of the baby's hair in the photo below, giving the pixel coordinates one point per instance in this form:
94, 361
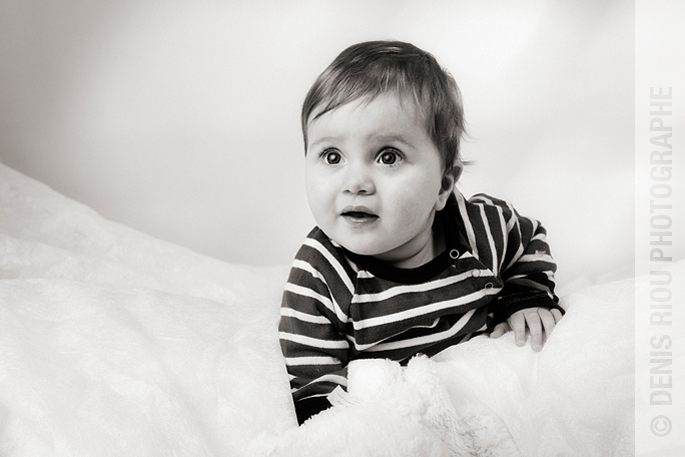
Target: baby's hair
369, 69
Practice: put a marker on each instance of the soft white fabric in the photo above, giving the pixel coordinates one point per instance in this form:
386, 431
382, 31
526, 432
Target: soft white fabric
113, 343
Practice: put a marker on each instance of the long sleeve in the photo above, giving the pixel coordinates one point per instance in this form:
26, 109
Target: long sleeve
311, 331
524, 261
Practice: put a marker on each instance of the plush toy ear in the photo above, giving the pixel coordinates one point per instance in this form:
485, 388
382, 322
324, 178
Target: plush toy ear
368, 379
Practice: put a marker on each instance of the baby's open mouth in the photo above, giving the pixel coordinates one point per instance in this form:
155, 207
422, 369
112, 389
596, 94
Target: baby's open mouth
359, 214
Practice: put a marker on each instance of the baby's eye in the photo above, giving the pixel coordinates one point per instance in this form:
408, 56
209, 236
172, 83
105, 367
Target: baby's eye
331, 157
389, 157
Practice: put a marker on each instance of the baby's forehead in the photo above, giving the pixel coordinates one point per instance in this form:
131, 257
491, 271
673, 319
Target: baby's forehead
407, 103
386, 118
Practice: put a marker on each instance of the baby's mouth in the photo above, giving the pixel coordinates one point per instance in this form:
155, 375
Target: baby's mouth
359, 215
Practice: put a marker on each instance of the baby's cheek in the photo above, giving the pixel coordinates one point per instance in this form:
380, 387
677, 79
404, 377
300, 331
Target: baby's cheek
415, 207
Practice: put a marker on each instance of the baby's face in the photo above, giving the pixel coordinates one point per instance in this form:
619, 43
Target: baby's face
374, 179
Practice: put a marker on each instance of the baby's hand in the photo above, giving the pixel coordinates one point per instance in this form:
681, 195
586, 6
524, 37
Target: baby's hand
536, 319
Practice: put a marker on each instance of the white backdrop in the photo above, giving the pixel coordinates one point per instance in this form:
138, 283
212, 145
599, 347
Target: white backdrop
181, 118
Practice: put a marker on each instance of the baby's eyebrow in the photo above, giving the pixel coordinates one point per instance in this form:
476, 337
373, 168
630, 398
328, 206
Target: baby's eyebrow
390, 138
326, 139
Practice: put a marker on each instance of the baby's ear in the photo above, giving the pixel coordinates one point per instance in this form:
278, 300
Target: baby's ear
456, 170
451, 176
449, 180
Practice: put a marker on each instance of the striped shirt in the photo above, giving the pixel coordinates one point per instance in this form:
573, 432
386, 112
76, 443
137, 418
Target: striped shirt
339, 306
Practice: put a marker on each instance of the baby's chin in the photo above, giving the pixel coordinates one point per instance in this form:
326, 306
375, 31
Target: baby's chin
359, 249
368, 252
403, 256
388, 251
388, 256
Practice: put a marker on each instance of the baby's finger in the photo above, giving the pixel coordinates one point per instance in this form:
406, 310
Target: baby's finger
518, 324
535, 327
548, 321
500, 329
556, 314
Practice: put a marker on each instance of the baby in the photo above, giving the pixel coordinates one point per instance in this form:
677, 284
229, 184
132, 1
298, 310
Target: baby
400, 263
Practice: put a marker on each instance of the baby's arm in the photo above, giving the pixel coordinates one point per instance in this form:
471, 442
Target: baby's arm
527, 270
315, 351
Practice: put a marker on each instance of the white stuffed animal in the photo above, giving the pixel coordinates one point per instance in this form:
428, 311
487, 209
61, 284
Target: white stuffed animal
390, 410
418, 392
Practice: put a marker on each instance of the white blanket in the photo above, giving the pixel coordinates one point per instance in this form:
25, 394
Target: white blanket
113, 343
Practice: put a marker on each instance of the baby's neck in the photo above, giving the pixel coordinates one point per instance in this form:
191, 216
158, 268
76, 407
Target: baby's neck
430, 249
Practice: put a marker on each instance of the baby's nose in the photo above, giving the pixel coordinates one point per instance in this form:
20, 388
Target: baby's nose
359, 180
